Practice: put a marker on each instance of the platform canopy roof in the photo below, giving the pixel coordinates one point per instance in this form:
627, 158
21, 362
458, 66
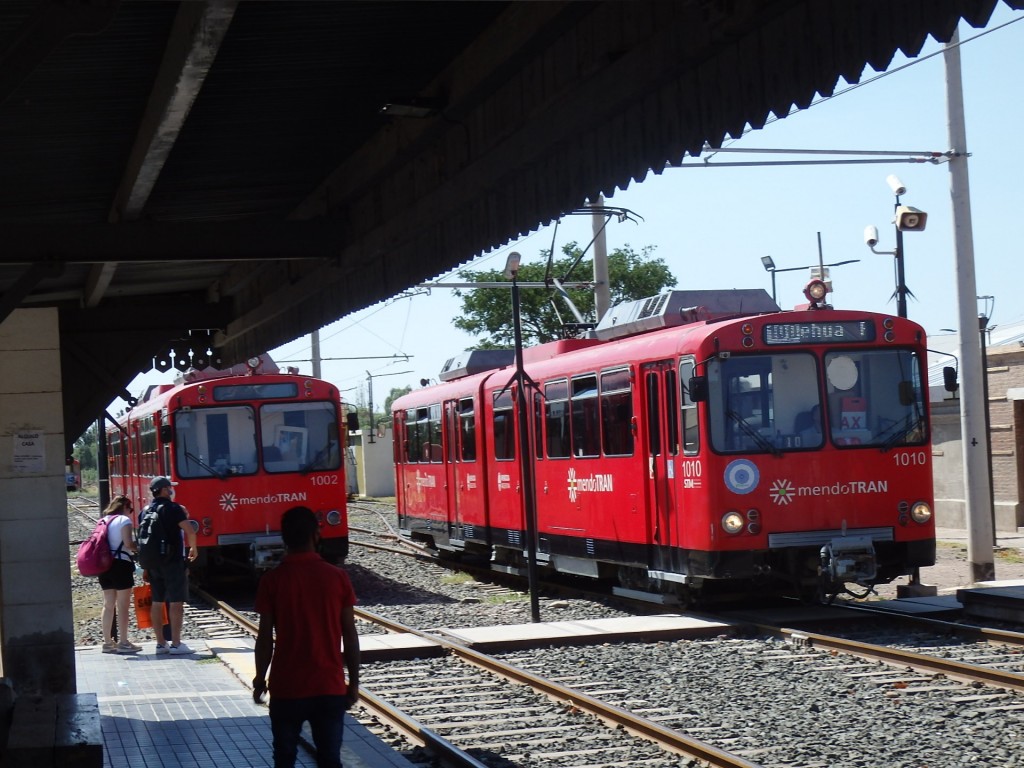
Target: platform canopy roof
223, 176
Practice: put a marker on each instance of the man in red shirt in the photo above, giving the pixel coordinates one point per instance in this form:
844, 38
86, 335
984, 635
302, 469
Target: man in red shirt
309, 603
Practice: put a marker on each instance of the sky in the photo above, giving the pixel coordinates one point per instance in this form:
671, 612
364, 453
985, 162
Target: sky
712, 225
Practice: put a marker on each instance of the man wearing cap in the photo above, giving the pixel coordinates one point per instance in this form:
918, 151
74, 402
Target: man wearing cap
170, 578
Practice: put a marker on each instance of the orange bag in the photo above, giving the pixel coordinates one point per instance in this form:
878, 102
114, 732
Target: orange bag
142, 596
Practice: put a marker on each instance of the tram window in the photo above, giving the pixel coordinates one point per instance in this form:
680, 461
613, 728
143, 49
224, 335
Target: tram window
296, 437
671, 411
875, 398
412, 438
433, 453
214, 442
149, 455
653, 415
538, 425
691, 434
467, 430
504, 428
616, 413
556, 420
586, 435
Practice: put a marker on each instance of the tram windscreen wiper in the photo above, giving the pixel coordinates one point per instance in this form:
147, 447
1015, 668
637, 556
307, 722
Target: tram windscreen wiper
204, 465
903, 428
320, 456
763, 443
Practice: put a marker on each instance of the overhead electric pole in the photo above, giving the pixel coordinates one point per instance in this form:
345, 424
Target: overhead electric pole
974, 438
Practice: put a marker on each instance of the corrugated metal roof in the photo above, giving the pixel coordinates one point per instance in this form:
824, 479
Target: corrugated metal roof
228, 159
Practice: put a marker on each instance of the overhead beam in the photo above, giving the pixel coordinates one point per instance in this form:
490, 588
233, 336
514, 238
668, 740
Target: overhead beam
147, 241
23, 286
97, 282
197, 34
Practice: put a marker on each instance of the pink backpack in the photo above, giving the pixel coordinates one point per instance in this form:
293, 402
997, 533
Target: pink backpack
94, 556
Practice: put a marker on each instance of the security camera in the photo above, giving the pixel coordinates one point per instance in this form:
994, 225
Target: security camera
895, 185
910, 219
871, 235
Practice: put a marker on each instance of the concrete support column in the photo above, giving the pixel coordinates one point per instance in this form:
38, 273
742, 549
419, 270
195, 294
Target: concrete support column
36, 624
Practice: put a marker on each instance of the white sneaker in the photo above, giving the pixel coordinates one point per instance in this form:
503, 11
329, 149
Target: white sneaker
180, 650
161, 649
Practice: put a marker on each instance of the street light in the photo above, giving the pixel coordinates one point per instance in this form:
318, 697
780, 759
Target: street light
769, 266
906, 219
525, 456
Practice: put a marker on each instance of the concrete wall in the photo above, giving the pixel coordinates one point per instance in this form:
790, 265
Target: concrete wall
1006, 417
375, 463
36, 625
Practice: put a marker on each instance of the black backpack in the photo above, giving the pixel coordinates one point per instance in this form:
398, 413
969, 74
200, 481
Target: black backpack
152, 542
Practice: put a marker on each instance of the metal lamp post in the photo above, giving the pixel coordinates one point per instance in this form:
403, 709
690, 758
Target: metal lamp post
769, 266
525, 456
906, 219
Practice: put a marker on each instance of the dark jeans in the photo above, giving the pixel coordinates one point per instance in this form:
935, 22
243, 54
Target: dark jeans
326, 716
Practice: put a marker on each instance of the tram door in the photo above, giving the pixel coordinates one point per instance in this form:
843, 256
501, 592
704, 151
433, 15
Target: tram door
453, 482
662, 448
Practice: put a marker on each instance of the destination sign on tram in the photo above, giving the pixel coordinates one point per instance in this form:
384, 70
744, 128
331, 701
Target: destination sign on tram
844, 332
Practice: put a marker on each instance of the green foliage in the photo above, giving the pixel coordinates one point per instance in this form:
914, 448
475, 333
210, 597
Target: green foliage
85, 449
543, 313
394, 394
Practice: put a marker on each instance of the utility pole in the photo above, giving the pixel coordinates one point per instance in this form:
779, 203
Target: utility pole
315, 345
974, 439
602, 288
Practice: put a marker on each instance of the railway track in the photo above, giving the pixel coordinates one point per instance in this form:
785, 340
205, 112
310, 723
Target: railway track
467, 703
475, 715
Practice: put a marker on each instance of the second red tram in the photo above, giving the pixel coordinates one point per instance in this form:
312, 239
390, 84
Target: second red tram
242, 449
702, 443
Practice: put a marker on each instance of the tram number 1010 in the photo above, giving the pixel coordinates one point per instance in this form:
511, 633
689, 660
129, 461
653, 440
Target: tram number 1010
910, 458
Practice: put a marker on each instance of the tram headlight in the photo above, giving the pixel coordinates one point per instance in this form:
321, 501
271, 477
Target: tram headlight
333, 517
732, 522
921, 512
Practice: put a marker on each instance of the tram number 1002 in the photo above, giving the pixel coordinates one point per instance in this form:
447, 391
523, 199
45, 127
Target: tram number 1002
324, 479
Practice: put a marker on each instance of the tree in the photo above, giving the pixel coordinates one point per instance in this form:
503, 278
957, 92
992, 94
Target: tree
85, 447
543, 313
394, 394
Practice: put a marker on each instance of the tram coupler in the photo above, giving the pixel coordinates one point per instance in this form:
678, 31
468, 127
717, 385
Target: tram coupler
849, 559
266, 552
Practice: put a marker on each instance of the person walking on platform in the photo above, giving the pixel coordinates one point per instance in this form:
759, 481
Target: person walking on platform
117, 582
309, 603
168, 576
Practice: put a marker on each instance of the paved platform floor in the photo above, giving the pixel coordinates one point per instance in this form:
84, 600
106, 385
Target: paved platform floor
195, 712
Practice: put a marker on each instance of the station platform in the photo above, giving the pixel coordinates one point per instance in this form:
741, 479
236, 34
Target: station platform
195, 711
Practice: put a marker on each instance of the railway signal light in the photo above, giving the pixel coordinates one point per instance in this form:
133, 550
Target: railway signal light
815, 290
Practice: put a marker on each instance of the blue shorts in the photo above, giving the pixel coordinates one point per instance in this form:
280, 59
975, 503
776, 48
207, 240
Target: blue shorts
121, 575
169, 582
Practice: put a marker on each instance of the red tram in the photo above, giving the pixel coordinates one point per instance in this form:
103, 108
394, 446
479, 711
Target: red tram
242, 449
679, 452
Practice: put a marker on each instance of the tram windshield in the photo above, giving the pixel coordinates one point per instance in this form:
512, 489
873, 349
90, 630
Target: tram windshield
222, 441
798, 401
300, 437
215, 441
